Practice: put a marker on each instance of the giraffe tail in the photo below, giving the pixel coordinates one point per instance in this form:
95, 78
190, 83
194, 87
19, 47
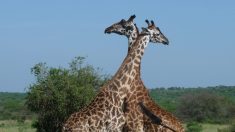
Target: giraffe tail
154, 118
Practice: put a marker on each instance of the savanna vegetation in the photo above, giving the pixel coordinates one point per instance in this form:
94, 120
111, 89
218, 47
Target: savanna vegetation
206, 105
12, 107
58, 92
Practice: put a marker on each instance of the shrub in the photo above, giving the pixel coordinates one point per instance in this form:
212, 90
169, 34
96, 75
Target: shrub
2, 124
194, 127
204, 107
21, 119
59, 92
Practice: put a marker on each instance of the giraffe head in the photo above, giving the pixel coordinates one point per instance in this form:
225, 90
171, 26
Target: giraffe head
156, 36
123, 27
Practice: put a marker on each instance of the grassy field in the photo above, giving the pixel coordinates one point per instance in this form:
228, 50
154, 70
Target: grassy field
212, 127
14, 126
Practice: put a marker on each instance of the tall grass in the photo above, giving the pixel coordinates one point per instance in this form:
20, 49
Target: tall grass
213, 127
14, 126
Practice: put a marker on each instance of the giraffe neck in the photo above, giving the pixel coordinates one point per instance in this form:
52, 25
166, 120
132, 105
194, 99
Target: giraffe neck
131, 40
133, 36
130, 66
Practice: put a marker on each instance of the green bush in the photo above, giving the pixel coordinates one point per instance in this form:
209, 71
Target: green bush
59, 92
194, 127
232, 128
21, 119
204, 107
2, 124
12, 106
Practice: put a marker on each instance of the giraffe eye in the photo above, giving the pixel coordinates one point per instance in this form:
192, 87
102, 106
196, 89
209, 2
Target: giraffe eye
156, 35
129, 28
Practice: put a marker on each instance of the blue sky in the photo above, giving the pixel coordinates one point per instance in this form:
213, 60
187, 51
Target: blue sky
201, 34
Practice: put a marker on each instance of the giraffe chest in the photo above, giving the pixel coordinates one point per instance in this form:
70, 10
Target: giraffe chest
134, 116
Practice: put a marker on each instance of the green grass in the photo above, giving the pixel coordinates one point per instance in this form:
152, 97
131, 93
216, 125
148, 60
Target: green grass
14, 126
212, 127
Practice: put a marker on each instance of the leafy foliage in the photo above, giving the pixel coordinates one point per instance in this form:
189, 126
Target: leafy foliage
211, 104
12, 106
194, 127
59, 92
167, 98
203, 106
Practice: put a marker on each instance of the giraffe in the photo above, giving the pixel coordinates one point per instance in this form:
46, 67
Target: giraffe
139, 93
105, 112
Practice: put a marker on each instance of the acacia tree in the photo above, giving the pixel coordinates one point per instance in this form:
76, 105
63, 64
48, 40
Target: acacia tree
58, 92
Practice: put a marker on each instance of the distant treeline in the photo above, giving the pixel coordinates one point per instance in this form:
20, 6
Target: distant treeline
169, 97
12, 106
201, 104
219, 100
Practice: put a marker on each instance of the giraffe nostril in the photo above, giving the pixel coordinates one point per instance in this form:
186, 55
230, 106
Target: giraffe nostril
166, 42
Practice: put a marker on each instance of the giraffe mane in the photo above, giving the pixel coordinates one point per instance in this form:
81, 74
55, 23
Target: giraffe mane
137, 28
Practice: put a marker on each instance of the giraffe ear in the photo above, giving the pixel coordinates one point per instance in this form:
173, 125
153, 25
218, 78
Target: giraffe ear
131, 18
145, 31
122, 21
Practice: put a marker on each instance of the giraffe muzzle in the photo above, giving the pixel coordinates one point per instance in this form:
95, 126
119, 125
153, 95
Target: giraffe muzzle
107, 30
165, 41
